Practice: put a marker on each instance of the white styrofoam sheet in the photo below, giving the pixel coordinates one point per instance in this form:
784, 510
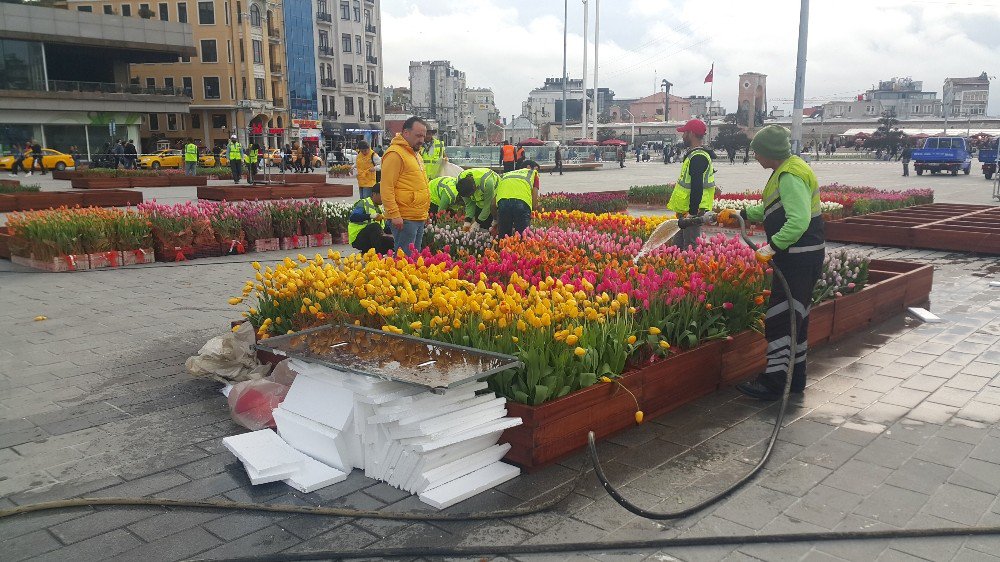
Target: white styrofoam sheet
264, 452
320, 442
320, 401
469, 485
314, 475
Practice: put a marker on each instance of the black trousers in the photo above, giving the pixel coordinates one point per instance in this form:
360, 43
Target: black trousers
559, 167
508, 167
372, 236
801, 271
513, 215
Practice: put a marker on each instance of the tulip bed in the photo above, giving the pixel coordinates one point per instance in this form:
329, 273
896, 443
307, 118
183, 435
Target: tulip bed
565, 298
604, 202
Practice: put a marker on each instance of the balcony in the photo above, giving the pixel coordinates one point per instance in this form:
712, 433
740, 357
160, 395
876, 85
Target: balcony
325, 51
328, 82
72, 95
275, 68
376, 118
109, 88
279, 102
324, 16
273, 34
370, 29
330, 114
371, 59
373, 88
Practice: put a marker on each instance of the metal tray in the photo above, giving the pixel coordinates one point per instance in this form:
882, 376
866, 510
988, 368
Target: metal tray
407, 359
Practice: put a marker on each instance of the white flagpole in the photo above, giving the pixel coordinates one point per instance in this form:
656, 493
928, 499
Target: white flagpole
711, 90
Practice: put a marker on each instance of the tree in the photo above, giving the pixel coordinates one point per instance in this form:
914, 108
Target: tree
887, 136
605, 134
146, 13
730, 137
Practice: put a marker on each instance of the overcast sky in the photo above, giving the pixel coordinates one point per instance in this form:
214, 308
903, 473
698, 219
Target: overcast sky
511, 46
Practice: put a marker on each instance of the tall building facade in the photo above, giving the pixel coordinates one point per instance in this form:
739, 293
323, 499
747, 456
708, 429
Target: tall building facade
347, 77
437, 91
483, 111
236, 80
904, 98
752, 99
965, 97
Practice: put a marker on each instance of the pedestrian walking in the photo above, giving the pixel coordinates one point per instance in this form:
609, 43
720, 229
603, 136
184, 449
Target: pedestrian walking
307, 158
793, 223
19, 152
286, 158
131, 155
621, 157
907, 153
404, 189
559, 161
36, 157
118, 154
252, 159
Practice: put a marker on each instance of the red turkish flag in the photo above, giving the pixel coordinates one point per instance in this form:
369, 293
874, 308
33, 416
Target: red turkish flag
711, 72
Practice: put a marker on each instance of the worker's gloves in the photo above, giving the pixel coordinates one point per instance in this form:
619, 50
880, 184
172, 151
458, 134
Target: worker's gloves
729, 218
764, 254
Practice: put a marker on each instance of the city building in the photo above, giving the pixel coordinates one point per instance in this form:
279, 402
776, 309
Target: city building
484, 112
650, 108
236, 78
337, 82
704, 108
544, 105
965, 97
437, 91
903, 98
751, 101
65, 77
397, 99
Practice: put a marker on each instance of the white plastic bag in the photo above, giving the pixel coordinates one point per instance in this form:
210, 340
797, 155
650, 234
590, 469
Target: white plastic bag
228, 358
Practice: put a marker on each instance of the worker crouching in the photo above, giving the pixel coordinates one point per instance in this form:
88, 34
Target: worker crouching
516, 195
367, 227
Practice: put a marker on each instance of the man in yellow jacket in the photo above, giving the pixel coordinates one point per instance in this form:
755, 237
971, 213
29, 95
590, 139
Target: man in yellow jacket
405, 194
367, 165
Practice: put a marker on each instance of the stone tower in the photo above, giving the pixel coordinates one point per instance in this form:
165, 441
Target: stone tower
752, 99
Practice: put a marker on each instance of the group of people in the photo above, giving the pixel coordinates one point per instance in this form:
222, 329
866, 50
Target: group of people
790, 212
31, 150
402, 189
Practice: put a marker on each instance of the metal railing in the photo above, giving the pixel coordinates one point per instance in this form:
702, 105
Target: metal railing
373, 88
276, 68
372, 60
325, 50
112, 88
324, 16
328, 82
370, 29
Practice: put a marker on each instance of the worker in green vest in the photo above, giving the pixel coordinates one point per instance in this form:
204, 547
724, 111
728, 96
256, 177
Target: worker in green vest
516, 195
252, 157
190, 158
447, 195
793, 223
694, 191
479, 206
433, 153
366, 229
235, 152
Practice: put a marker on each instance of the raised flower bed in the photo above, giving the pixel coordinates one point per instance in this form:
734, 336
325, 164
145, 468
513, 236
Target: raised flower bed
273, 192
121, 179
567, 300
938, 226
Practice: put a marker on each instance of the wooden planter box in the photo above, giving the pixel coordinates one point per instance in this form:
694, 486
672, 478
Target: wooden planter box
333, 190
47, 200
235, 193
4, 242
820, 323
101, 183
8, 203
150, 181
181, 180
293, 178
743, 356
853, 312
681, 378
110, 198
10, 183
291, 191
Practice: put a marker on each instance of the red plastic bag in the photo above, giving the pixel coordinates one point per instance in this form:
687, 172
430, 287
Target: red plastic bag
251, 403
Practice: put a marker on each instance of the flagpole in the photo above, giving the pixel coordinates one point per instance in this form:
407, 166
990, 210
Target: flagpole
711, 90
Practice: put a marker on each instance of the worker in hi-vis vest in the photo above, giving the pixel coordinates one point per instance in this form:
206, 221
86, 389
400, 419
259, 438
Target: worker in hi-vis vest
694, 191
434, 154
516, 195
190, 158
235, 152
508, 156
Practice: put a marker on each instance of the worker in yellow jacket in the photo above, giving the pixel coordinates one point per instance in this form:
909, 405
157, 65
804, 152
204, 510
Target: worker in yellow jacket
405, 193
367, 165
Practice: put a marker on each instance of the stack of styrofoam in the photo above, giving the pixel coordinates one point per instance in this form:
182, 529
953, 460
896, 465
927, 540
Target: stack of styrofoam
268, 459
440, 446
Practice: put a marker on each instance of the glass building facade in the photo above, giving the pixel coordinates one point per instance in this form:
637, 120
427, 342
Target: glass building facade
21, 65
301, 57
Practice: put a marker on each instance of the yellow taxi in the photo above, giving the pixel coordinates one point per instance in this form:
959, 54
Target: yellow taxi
208, 161
172, 158
51, 159
273, 157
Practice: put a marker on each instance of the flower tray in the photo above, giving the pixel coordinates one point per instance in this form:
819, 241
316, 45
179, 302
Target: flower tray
293, 243
320, 240
72, 262
111, 258
266, 245
137, 257
177, 253
233, 247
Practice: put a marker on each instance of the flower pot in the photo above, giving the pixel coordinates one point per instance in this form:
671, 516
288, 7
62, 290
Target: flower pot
22, 260
556, 429
266, 245
139, 256
320, 240
293, 243
743, 356
111, 258
175, 253
344, 238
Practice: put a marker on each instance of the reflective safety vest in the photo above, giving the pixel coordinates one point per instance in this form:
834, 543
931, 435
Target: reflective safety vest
486, 183
509, 152
190, 152
518, 184
366, 169
234, 151
432, 158
680, 199
252, 156
813, 239
444, 192
369, 207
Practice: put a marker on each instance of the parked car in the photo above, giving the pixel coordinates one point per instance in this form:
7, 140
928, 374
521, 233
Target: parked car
943, 154
171, 158
350, 156
208, 161
988, 157
51, 159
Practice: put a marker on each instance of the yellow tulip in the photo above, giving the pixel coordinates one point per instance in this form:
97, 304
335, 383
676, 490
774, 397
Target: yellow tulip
605, 379
235, 301
256, 265
415, 326
638, 416
631, 340
572, 339
579, 352
653, 330
664, 344
514, 339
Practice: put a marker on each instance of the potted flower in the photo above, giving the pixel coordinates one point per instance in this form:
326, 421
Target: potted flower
285, 217
340, 170
314, 226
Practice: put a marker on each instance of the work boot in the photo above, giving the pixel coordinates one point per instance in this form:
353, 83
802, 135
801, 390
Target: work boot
758, 388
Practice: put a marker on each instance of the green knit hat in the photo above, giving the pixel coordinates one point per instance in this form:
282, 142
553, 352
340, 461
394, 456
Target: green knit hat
772, 142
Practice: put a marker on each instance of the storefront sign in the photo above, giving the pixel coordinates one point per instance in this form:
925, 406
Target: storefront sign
305, 123
273, 131
309, 134
257, 128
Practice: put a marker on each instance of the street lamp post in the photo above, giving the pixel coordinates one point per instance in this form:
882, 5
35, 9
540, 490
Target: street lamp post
666, 112
633, 125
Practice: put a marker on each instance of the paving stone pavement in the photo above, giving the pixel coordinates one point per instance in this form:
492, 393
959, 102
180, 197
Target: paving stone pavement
898, 429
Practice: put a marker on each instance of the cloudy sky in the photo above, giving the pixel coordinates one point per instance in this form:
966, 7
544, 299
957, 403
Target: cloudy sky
511, 46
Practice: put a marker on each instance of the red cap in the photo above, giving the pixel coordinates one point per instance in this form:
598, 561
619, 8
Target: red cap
696, 126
